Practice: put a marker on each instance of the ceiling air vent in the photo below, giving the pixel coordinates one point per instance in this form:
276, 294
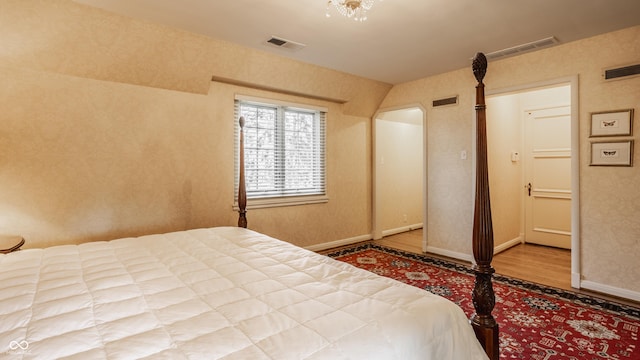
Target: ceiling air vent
524, 48
446, 101
621, 72
285, 44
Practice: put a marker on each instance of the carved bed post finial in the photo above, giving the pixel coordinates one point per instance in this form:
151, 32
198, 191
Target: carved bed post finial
484, 325
242, 191
479, 66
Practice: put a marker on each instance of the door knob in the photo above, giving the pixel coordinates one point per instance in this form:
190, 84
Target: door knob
529, 188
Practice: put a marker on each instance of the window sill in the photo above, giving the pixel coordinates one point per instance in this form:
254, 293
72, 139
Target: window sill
283, 201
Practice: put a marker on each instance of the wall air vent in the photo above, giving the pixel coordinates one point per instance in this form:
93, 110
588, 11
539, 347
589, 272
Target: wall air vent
446, 101
621, 72
524, 48
285, 44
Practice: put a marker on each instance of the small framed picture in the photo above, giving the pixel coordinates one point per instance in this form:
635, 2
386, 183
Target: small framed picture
612, 153
612, 123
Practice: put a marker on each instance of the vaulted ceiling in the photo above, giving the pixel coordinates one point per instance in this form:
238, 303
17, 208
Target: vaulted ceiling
402, 40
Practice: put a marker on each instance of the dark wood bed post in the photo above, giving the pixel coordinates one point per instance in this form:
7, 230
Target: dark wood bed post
484, 325
242, 188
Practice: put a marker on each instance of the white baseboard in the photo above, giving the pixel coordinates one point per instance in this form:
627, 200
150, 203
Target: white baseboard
509, 244
575, 280
338, 243
357, 239
449, 253
610, 290
401, 229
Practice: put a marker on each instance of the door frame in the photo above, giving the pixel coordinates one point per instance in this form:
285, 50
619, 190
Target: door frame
376, 232
572, 81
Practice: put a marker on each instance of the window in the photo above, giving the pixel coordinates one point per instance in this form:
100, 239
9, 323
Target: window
284, 151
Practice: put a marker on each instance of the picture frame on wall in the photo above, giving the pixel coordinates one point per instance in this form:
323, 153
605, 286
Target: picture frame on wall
612, 153
612, 123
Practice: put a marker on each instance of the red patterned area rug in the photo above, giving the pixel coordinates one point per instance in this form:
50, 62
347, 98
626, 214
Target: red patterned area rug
536, 322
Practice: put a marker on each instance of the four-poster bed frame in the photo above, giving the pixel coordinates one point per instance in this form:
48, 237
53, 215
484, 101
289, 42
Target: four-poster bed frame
230, 292
483, 323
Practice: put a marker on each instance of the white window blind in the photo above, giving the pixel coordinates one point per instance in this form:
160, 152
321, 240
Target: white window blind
284, 149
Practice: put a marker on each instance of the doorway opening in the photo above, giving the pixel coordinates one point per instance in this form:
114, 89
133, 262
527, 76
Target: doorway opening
532, 134
399, 171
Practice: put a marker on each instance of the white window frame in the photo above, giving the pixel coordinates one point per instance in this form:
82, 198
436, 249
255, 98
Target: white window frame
254, 200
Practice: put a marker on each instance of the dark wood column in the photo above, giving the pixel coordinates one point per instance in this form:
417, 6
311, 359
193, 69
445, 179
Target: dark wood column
484, 325
242, 188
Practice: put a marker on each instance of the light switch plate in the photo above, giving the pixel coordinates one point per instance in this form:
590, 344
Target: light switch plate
515, 156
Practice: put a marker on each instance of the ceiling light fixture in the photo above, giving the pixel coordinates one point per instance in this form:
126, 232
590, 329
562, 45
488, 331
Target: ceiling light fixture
356, 9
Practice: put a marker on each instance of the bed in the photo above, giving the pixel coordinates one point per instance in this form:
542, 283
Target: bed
227, 293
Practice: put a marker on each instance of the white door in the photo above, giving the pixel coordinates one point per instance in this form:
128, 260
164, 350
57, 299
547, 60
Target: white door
548, 177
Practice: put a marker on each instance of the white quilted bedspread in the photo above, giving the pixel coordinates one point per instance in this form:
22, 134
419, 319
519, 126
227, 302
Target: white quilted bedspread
220, 293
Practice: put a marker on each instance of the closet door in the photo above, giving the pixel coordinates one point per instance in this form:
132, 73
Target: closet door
548, 177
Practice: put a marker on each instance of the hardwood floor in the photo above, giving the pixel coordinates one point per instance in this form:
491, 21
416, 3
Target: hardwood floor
410, 241
539, 264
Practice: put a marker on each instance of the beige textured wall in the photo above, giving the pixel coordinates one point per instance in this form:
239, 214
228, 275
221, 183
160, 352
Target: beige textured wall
609, 197
86, 159
112, 127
